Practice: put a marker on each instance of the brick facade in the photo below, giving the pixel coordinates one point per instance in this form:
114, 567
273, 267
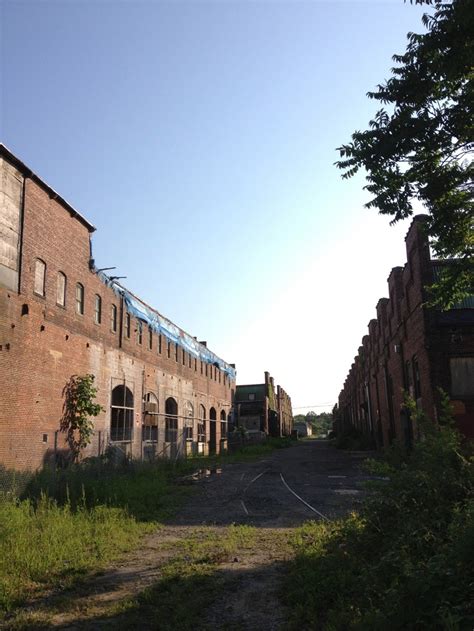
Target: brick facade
264, 408
411, 348
43, 343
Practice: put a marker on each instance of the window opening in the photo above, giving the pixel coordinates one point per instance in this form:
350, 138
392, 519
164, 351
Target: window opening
139, 332
127, 325
121, 417
80, 299
171, 423
40, 277
150, 417
113, 319
201, 430
61, 290
97, 309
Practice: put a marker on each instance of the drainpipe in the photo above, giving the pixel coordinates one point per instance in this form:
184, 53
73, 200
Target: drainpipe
121, 322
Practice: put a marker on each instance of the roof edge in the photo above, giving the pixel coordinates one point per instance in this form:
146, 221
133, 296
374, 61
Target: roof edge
27, 172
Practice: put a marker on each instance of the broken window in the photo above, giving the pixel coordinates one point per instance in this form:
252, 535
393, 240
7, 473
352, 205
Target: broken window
97, 309
188, 420
150, 417
61, 289
171, 422
121, 416
80, 299
113, 319
40, 277
201, 430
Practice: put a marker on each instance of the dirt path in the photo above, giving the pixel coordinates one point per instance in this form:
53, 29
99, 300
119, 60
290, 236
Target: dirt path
225, 551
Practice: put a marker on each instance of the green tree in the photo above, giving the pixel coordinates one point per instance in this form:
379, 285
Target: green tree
419, 146
79, 406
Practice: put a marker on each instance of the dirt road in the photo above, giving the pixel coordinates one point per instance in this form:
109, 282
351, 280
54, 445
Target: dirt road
272, 496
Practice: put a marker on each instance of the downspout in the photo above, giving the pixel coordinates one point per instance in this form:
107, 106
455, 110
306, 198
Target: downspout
121, 322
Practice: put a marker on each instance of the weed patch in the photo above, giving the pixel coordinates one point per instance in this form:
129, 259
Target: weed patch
406, 560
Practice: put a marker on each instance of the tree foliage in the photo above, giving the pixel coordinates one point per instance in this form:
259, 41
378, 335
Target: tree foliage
79, 394
420, 145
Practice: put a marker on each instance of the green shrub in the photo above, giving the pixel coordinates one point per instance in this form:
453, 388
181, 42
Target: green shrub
406, 561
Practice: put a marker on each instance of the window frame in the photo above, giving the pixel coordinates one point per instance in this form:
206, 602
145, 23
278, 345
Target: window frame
80, 299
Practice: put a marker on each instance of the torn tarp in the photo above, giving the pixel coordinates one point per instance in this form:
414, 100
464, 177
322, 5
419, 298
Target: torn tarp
163, 326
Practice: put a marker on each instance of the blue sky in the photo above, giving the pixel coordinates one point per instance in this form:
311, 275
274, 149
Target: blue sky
199, 138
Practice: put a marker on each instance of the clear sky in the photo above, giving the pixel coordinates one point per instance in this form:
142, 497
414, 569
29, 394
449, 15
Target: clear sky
199, 138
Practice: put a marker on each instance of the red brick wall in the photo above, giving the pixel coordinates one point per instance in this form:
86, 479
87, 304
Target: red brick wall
404, 335
42, 348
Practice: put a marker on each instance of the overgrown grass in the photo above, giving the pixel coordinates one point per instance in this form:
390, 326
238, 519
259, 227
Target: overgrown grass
69, 522
406, 561
46, 544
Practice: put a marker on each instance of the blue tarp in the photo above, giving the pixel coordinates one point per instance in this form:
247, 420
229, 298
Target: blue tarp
163, 326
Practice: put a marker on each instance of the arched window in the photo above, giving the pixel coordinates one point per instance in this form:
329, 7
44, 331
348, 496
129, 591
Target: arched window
171, 422
97, 309
150, 417
40, 277
121, 416
202, 424
61, 289
113, 319
212, 414
188, 420
80, 299
223, 424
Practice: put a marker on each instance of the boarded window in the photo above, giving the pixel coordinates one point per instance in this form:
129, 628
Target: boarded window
80, 299
97, 309
61, 289
40, 277
462, 376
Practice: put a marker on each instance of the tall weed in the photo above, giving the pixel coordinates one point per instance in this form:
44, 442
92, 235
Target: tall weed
406, 561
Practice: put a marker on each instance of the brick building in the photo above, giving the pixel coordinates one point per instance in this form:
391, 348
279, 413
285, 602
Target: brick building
264, 408
411, 348
162, 391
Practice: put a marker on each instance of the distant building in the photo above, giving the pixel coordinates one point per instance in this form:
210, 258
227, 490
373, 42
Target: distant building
162, 391
303, 428
414, 349
262, 407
